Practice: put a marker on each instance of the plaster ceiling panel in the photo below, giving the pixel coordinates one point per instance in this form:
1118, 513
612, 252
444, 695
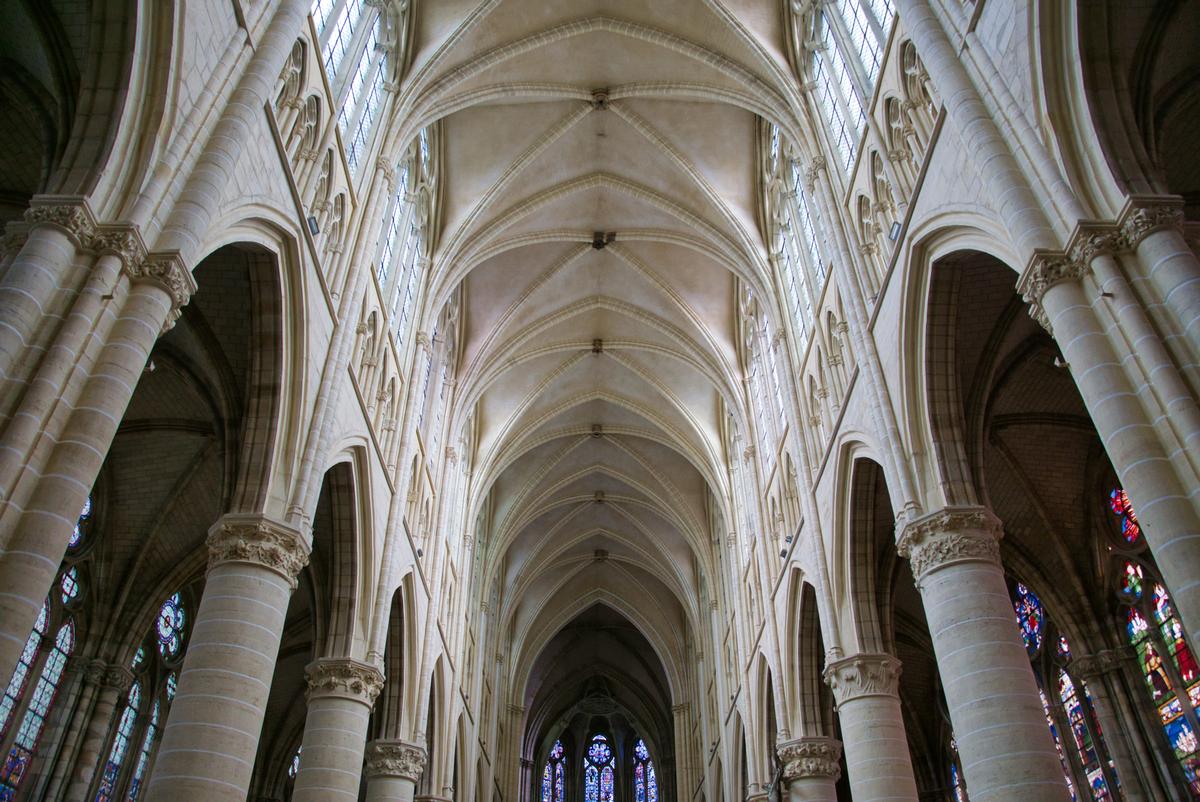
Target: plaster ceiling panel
594, 207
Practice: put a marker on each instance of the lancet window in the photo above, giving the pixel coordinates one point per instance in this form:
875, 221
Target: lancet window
554, 775
645, 781
599, 771
794, 217
404, 244
130, 756
36, 680
1067, 703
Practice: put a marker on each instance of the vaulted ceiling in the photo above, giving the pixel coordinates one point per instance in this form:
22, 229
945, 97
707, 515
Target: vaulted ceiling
599, 214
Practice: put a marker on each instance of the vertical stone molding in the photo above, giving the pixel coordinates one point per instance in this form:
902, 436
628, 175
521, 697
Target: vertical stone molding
1153, 226
1099, 670
340, 693
392, 770
811, 768
108, 685
213, 728
995, 709
865, 687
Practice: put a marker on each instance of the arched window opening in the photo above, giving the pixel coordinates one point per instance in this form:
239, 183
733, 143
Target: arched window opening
645, 781
404, 245
599, 772
554, 775
35, 682
958, 786
154, 666
1067, 704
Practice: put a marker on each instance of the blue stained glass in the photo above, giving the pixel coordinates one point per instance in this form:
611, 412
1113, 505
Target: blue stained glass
598, 772
169, 627
1030, 618
645, 781
553, 775
77, 534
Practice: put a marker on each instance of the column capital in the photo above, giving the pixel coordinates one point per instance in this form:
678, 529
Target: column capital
344, 678
166, 270
395, 759
1046, 269
1145, 214
70, 214
254, 538
950, 535
1105, 661
805, 758
863, 675
123, 240
106, 675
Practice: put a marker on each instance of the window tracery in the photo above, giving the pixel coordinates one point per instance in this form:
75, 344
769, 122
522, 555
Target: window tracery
36, 680
599, 771
645, 781
554, 775
405, 243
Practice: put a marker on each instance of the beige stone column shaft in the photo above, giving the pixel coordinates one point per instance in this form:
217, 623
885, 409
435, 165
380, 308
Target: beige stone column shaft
34, 535
1006, 749
811, 769
866, 689
39, 275
1093, 669
1166, 506
340, 694
211, 735
393, 768
1154, 228
111, 686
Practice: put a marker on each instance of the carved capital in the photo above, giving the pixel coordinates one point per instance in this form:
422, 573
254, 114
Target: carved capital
1096, 239
389, 172
395, 759
1145, 214
70, 215
104, 675
343, 678
863, 675
167, 271
258, 540
1106, 661
805, 758
1046, 269
948, 536
123, 241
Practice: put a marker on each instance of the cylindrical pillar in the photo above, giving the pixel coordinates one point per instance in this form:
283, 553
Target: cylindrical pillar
866, 688
34, 542
212, 732
811, 769
1165, 508
109, 685
1093, 670
1154, 229
1006, 749
393, 768
340, 694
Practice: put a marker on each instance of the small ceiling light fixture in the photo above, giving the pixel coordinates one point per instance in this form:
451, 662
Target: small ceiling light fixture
313, 228
894, 233
601, 239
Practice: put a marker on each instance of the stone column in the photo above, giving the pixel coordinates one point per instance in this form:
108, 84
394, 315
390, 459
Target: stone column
1052, 285
340, 695
34, 536
866, 690
1094, 670
811, 769
1006, 749
1153, 225
107, 685
393, 768
211, 736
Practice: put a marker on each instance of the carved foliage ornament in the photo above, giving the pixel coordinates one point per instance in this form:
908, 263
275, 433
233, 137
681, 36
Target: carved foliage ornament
71, 216
950, 536
257, 540
806, 758
104, 675
1141, 220
395, 759
863, 675
1045, 270
346, 678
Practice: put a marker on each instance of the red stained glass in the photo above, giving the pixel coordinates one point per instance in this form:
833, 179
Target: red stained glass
1118, 502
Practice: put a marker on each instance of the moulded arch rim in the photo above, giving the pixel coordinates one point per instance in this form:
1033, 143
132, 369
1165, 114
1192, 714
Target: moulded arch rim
534, 638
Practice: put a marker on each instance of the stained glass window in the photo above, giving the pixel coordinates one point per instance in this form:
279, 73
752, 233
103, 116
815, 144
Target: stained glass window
958, 785
111, 774
169, 627
1030, 618
1058, 745
139, 774
1131, 581
20, 678
599, 771
645, 781
24, 746
69, 583
294, 764
1081, 733
1118, 502
554, 775
77, 534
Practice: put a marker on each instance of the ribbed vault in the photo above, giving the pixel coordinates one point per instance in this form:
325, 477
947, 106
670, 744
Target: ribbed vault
599, 222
